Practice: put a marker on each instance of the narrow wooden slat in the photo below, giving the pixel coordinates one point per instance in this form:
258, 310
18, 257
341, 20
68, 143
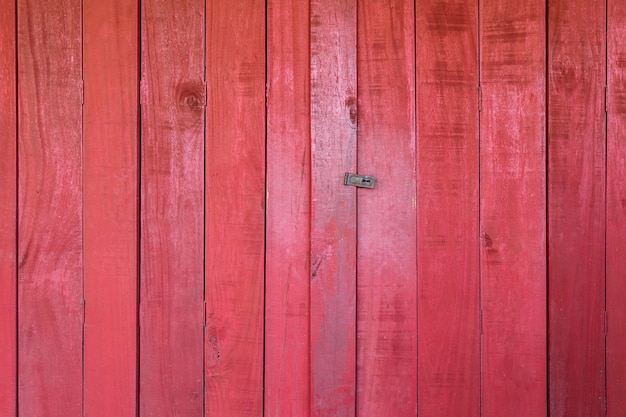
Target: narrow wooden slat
448, 270
576, 206
513, 208
333, 216
111, 37
235, 208
386, 260
50, 208
172, 209
288, 212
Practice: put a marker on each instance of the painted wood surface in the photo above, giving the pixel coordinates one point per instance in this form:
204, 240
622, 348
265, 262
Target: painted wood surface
333, 211
50, 342
288, 228
110, 206
513, 208
386, 258
576, 207
448, 272
8, 209
172, 209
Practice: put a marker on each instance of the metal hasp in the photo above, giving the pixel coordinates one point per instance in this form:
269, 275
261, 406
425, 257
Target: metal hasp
362, 181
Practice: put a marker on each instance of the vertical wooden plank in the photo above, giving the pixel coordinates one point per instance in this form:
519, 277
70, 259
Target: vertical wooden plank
513, 208
333, 216
50, 208
172, 209
8, 208
576, 206
448, 269
386, 259
111, 74
288, 211
235, 204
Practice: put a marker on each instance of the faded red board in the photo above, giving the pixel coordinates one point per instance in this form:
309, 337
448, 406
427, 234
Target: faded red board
333, 216
288, 212
576, 207
387, 260
448, 270
8, 208
172, 209
50, 283
235, 208
111, 42
513, 208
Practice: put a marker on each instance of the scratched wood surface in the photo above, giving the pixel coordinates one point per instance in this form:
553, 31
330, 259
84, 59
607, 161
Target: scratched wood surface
448, 273
111, 76
50, 299
288, 235
333, 211
386, 273
8, 208
172, 209
576, 207
513, 208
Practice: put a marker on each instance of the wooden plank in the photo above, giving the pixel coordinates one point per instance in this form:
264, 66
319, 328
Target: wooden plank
111, 42
288, 211
513, 208
333, 215
50, 299
576, 206
235, 204
8, 209
386, 259
172, 209
448, 270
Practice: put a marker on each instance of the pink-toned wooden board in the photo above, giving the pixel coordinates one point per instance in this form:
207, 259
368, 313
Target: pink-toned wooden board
288, 212
235, 208
386, 259
447, 246
111, 74
8, 209
576, 207
513, 208
172, 209
333, 216
50, 285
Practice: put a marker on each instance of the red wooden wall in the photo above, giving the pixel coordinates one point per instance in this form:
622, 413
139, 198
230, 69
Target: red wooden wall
176, 237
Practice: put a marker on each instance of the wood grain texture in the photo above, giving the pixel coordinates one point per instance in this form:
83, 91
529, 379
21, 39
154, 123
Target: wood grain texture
616, 211
576, 206
235, 208
513, 208
172, 209
111, 74
333, 217
288, 212
448, 270
8, 209
386, 259
50, 209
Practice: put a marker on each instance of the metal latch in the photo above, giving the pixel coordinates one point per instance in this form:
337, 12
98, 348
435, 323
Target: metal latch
363, 181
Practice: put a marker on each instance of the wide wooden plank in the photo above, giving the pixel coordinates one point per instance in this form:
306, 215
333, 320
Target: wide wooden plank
576, 206
111, 74
288, 211
513, 208
172, 209
8, 208
448, 270
50, 283
333, 215
386, 259
235, 208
